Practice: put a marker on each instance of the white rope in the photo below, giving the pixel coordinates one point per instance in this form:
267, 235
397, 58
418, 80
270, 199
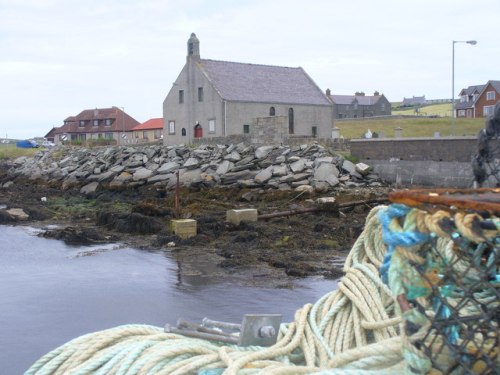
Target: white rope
354, 328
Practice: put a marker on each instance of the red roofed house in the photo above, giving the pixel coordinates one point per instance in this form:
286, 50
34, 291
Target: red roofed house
111, 124
149, 131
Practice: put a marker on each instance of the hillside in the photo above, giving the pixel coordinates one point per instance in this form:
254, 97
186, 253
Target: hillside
412, 127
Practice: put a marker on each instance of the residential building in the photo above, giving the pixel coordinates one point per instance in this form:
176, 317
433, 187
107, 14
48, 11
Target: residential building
359, 105
478, 101
111, 124
149, 131
213, 98
414, 101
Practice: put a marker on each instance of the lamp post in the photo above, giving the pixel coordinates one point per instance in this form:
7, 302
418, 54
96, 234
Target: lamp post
471, 42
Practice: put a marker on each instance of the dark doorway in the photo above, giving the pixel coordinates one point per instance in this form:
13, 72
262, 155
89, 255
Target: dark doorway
290, 120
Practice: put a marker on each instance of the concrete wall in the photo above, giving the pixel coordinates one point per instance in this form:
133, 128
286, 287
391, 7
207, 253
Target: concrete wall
414, 173
451, 149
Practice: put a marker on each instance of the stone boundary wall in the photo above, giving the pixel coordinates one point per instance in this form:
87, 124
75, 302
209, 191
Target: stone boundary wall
428, 173
450, 149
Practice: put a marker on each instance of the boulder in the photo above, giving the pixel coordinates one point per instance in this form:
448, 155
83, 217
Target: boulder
327, 173
168, 167
263, 151
90, 189
142, 174
264, 175
17, 214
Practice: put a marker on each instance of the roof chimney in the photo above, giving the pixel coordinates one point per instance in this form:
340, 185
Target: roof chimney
328, 92
376, 93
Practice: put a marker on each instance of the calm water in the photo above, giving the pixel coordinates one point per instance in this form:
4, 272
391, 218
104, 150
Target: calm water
51, 293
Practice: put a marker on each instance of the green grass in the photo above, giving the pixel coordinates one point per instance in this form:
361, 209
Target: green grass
12, 152
412, 127
441, 110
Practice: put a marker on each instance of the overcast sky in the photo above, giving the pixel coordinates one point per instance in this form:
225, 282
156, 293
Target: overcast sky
59, 57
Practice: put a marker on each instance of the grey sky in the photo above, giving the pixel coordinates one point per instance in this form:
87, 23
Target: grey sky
58, 57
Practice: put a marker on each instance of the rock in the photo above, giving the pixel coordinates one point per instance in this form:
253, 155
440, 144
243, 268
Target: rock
326, 159
190, 177
305, 188
90, 189
191, 163
17, 214
298, 166
264, 175
142, 174
233, 157
168, 167
363, 169
224, 167
321, 186
263, 151
280, 170
327, 173
159, 178
8, 184
348, 166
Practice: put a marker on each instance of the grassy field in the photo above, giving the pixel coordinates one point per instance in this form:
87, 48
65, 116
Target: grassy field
441, 110
12, 152
412, 127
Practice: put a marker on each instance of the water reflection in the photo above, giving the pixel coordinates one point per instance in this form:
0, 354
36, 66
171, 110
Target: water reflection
51, 293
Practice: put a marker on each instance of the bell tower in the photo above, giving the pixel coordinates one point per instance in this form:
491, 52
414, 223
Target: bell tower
193, 47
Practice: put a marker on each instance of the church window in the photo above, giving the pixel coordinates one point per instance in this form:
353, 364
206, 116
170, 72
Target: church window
272, 111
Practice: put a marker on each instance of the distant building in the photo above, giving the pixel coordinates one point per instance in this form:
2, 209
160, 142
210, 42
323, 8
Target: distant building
359, 105
414, 101
50, 136
100, 123
213, 98
149, 131
478, 101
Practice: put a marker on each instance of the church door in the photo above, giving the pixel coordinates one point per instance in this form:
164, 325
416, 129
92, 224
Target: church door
198, 131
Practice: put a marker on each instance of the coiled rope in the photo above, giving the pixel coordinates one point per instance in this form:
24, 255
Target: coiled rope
356, 329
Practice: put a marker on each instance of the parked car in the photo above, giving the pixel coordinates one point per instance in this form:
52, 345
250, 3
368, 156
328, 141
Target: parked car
48, 144
27, 143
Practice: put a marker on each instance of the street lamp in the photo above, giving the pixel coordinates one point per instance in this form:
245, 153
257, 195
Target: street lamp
471, 42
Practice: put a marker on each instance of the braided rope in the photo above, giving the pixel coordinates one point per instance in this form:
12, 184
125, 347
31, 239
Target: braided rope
357, 329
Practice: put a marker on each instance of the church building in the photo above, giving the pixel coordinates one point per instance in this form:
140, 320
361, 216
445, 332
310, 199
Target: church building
213, 98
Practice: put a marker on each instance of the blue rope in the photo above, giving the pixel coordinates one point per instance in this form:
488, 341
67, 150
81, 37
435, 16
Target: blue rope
393, 238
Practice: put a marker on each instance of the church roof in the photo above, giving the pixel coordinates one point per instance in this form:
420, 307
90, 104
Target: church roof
262, 83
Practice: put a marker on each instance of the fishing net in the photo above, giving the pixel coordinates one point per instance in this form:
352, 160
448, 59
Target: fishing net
486, 162
447, 281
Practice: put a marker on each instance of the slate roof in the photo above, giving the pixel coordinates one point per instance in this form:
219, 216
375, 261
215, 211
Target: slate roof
496, 85
478, 89
151, 124
472, 89
120, 121
361, 99
262, 83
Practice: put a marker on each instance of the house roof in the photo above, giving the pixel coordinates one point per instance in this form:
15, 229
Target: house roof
472, 89
361, 99
262, 83
476, 89
120, 121
151, 124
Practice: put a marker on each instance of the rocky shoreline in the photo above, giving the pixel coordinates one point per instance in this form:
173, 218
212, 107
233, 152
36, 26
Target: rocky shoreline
304, 167
127, 194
